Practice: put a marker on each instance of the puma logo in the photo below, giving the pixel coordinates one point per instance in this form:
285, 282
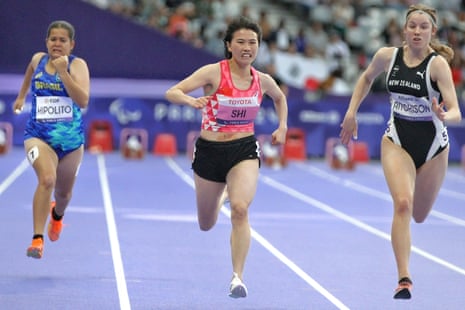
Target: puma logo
421, 74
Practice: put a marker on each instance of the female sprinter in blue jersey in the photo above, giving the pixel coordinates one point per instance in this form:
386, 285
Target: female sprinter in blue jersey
59, 83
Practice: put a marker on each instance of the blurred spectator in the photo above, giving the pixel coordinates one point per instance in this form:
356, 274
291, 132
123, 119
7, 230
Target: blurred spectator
178, 23
301, 40
215, 44
225, 10
392, 34
317, 36
461, 21
335, 84
122, 7
157, 17
342, 15
337, 51
292, 48
247, 12
445, 30
210, 26
281, 36
265, 56
265, 25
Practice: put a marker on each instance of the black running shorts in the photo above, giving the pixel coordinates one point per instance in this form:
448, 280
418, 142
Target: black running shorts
213, 160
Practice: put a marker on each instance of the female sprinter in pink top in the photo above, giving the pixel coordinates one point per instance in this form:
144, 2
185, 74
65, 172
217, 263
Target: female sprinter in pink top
227, 152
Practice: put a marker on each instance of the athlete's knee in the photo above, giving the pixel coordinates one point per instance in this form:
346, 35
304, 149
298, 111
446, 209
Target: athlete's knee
420, 215
206, 221
206, 225
419, 219
403, 205
47, 180
239, 211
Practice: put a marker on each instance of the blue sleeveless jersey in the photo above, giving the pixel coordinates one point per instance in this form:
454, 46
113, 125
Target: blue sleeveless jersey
61, 134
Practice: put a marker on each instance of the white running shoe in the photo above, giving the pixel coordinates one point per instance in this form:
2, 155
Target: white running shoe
237, 288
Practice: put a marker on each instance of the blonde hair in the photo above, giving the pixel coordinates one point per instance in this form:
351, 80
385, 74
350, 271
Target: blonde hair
440, 48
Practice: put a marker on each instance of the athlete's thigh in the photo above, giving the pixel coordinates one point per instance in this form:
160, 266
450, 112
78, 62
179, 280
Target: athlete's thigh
399, 169
430, 177
208, 194
41, 156
242, 181
68, 168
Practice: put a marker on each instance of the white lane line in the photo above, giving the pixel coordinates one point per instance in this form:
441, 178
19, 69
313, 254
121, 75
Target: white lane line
14, 175
113, 236
382, 195
347, 218
452, 194
267, 245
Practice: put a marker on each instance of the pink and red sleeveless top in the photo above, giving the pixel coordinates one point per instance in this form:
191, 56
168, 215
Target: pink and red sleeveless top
232, 109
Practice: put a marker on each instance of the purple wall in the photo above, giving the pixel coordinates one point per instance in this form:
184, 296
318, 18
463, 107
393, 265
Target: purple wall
112, 45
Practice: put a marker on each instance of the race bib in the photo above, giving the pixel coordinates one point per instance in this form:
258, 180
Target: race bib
54, 109
236, 111
411, 108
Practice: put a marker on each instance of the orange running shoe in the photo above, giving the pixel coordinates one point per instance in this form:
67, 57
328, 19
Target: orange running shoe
36, 248
404, 288
54, 226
